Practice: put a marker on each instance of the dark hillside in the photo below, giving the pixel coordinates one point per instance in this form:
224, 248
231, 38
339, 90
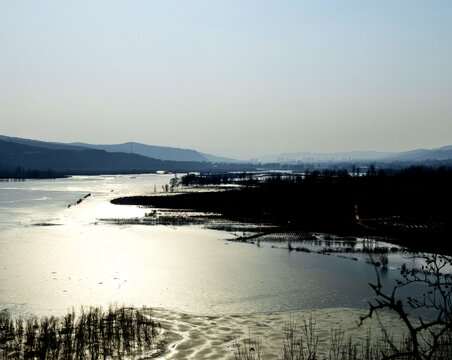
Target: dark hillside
41, 144
156, 152
14, 155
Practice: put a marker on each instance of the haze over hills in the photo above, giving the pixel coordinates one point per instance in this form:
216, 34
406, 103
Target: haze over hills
160, 152
442, 153
42, 144
286, 95
152, 151
221, 159
156, 152
307, 156
78, 158
15, 156
23, 157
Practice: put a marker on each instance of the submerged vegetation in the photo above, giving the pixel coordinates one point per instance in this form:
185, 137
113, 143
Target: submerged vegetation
128, 333
302, 343
425, 338
79, 201
407, 206
116, 333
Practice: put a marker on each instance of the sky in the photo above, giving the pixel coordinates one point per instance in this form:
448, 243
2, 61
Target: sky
237, 78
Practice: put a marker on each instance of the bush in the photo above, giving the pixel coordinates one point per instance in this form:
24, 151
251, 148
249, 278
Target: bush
426, 339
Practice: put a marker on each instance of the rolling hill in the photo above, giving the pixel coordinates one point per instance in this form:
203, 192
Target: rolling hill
82, 158
156, 152
15, 155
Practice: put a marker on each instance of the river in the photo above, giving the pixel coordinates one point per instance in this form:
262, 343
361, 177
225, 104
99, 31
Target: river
54, 257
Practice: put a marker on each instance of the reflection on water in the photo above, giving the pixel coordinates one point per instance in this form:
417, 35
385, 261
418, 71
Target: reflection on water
48, 269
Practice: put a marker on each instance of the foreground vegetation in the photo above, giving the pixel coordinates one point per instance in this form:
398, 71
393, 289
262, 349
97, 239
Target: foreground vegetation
120, 333
301, 343
93, 334
428, 337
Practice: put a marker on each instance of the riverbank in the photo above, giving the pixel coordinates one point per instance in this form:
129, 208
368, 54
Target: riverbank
415, 216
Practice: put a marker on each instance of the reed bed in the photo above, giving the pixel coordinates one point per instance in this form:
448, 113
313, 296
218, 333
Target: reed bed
116, 333
302, 343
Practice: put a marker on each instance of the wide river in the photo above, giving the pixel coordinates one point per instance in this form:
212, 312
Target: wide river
54, 257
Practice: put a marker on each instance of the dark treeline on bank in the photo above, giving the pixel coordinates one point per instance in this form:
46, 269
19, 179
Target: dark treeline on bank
412, 205
20, 173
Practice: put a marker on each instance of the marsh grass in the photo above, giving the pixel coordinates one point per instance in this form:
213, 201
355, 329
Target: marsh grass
116, 333
302, 343
248, 349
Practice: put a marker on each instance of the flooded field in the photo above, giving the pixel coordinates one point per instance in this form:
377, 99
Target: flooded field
55, 257
65, 245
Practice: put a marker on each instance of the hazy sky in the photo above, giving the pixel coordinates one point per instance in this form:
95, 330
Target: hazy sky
237, 78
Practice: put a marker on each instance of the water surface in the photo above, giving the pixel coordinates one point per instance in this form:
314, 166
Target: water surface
54, 257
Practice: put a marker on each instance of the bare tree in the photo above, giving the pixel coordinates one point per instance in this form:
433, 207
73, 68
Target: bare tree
427, 339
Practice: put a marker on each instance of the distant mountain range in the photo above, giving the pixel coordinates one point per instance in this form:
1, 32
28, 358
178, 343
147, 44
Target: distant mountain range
82, 158
17, 153
150, 151
419, 155
322, 157
442, 153
158, 152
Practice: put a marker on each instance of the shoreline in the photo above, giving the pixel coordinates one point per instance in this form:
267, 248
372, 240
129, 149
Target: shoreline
373, 249
229, 206
189, 336
180, 335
